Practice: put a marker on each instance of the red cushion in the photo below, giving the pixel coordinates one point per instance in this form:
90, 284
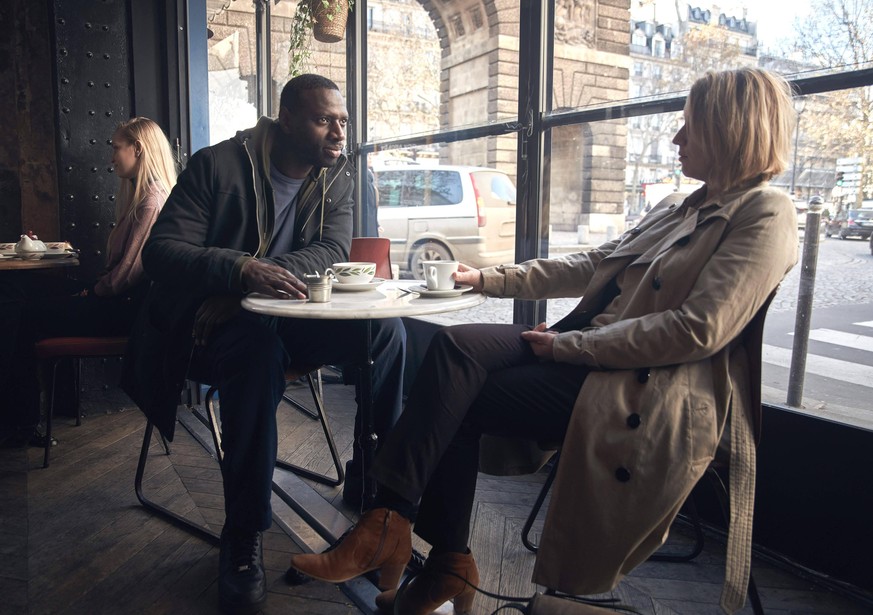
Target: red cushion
59, 347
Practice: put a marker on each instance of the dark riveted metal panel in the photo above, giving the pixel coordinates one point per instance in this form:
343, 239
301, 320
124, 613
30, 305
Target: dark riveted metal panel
93, 77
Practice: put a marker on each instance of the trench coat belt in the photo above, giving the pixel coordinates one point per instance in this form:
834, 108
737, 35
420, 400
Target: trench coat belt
742, 502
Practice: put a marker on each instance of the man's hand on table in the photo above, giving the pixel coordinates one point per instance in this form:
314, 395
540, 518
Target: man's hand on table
271, 280
470, 276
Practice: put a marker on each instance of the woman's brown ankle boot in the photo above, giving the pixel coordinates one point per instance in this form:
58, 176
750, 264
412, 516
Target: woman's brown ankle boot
382, 540
435, 584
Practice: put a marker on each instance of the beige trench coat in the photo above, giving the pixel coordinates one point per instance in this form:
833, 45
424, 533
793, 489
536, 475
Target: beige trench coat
695, 275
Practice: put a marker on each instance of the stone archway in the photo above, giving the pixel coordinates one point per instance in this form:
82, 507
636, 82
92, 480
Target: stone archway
479, 83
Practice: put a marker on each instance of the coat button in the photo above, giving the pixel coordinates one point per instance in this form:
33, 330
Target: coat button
643, 375
328, 200
634, 420
636, 230
622, 475
656, 283
348, 173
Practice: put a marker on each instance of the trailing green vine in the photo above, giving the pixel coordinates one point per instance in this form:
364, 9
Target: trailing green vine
300, 37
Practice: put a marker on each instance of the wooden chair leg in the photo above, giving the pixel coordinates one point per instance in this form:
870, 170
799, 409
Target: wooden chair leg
77, 389
48, 416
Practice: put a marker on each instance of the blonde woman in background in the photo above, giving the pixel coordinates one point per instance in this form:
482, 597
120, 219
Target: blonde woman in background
146, 170
107, 306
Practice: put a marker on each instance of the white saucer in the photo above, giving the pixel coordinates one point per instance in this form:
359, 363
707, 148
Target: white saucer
58, 254
2, 256
30, 256
441, 294
358, 287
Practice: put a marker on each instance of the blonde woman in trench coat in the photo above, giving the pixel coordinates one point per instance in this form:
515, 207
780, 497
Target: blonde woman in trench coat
640, 381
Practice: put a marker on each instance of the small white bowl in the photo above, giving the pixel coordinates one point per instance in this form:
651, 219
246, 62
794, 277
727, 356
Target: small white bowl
354, 273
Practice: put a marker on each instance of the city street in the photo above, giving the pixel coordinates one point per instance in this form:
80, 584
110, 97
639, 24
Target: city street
839, 369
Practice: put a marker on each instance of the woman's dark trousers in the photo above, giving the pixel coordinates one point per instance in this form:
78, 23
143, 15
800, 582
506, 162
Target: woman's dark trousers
475, 379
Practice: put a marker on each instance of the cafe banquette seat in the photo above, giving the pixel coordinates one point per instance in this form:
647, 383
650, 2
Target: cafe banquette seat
752, 338
51, 351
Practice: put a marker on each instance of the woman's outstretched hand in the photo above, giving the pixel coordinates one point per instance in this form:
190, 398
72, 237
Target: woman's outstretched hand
542, 342
469, 275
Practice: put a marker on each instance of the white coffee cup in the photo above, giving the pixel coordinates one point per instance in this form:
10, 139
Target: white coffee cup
438, 274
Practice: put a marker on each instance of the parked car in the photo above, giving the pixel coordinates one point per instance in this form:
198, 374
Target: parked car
445, 212
851, 223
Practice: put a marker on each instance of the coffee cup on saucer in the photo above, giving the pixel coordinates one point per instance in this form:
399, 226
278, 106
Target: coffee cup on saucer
439, 275
353, 273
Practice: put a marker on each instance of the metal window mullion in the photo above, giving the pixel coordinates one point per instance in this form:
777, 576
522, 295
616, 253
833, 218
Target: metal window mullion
532, 209
264, 100
356, 96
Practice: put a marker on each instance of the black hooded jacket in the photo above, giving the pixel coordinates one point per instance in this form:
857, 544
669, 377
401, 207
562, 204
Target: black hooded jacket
219, 215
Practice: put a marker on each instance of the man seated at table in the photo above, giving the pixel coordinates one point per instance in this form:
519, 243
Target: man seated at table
252, 214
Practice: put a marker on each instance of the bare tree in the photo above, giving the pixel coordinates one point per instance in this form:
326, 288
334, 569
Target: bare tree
840, 33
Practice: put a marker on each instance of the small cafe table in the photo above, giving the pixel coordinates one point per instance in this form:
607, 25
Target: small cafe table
391, 299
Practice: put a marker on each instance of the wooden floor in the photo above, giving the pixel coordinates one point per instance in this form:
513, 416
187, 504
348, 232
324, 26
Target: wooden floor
74, 539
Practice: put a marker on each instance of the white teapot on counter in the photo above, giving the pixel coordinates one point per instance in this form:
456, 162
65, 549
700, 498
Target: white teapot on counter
30, 247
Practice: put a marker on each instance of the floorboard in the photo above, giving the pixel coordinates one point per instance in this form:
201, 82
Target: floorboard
75, 540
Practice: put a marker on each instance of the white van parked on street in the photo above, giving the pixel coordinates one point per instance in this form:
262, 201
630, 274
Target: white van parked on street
445, 212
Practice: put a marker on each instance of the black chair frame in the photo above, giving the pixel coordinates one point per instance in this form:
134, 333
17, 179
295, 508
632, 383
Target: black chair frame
208, 418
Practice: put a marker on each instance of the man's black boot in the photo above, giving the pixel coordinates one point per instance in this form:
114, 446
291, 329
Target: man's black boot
242, 584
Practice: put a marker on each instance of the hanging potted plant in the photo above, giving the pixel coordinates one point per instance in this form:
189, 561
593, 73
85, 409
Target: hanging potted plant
323, 19
330, 19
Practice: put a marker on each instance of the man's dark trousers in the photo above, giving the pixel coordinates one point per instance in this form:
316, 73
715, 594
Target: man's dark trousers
247, 357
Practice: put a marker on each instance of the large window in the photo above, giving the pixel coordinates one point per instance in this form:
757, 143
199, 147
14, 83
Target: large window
232, 71
590, 152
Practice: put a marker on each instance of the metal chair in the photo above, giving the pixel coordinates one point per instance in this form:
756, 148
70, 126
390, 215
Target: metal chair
752, 337
373, 250
370, 249
55, 349
209, 420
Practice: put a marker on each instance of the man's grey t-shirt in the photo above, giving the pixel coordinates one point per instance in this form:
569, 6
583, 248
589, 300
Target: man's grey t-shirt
285, 191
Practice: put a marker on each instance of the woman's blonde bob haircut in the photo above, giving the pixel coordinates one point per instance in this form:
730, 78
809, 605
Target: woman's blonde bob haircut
156, 170
746, 118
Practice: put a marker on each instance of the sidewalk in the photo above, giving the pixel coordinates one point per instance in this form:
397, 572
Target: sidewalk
567, 242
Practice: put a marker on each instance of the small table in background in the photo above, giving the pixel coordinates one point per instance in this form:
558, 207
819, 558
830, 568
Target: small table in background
20, 264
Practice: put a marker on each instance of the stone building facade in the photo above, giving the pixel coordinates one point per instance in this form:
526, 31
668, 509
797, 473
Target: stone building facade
448, 64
